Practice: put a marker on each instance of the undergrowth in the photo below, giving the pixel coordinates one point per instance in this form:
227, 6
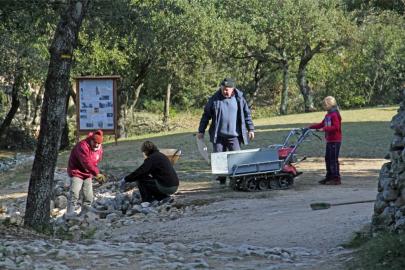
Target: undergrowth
358, 240
386, 251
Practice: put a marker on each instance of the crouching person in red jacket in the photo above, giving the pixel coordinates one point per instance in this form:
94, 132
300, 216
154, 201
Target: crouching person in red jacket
332, 126
156, 177
82, 167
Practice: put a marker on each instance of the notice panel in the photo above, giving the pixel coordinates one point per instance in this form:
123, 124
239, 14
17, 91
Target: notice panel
96, 104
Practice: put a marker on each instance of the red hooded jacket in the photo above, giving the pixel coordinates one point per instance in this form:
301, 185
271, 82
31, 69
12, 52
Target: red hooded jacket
332, 125
83, 160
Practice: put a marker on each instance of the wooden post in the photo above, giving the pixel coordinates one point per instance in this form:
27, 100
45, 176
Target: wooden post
115, 111
167, 107
77, 111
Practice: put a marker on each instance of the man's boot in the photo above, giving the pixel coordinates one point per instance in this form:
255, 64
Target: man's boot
70, 208
73, 209
324, 180
334, 181
222, 180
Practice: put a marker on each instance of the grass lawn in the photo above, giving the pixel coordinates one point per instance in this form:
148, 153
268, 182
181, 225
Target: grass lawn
366, 134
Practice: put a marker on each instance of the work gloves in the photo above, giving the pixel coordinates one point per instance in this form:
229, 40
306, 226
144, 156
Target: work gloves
101, 178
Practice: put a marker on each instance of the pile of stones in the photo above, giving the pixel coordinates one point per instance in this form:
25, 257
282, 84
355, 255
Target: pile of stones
60, 191
111, 209
389, 208
11, 212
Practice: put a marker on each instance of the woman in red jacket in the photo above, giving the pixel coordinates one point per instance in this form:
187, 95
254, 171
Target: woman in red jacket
331, 125
82, 167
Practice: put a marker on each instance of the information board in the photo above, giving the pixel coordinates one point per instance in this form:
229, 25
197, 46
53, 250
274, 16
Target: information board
96, 104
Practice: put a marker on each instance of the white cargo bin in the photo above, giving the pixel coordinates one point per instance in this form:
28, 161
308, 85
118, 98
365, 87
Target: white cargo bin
244, 162
219, 161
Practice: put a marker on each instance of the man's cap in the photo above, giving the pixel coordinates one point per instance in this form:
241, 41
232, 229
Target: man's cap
98, 136
229, 82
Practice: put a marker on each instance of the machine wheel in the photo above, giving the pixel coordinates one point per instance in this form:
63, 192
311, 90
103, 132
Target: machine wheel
274, 183
263, 184
286, 181
234, 183
251, 184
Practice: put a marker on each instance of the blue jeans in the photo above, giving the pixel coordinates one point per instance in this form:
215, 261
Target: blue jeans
224, 144
332, 159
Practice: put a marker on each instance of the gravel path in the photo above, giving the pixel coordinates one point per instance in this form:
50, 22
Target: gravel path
223, 229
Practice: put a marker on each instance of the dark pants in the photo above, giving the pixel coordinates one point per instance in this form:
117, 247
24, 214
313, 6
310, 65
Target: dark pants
226, 144
149, 190
332, 159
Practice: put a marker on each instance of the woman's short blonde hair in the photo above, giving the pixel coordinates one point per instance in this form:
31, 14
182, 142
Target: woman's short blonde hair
330, 102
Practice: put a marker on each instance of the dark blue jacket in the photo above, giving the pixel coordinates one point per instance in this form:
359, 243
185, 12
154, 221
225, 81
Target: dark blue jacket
212, 112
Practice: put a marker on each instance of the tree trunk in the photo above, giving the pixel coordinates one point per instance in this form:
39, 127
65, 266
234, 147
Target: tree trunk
125, 108
64, 141
306, 56
72, 94
15, 101
284, 91
257, 78
27, 112
305, 90
53, 114
135, 101
142, 71
122, 102
37, 105
167, 107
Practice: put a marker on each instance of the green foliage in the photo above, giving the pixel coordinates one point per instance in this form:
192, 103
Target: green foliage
89, 233
3, 101
370, 71
386, 251
394, 5
63, 234
154, 106
194, 45
359, 239
105, 59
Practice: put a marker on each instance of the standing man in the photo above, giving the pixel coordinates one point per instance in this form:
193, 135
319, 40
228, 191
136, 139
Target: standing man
231, 120
82, 167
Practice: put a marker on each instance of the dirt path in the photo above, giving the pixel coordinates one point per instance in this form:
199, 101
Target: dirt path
275, 218
245, 222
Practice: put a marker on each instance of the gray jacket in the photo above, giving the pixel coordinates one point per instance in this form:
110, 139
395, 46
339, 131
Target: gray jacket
212, 112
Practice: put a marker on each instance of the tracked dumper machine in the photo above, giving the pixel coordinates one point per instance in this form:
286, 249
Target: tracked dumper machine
267, 168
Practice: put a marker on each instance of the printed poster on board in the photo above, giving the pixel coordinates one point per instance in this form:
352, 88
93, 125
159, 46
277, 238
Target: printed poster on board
96, 106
